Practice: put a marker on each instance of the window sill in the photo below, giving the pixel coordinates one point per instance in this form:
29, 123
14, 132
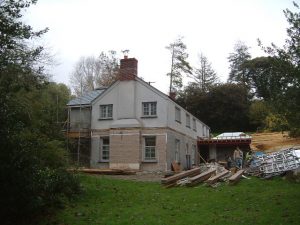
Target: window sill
105, 119
149, 161
148, 117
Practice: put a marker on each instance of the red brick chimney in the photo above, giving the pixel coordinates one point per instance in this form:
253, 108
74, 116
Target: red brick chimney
128, 68
172, 95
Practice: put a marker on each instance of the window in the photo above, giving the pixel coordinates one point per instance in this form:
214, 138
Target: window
193, 154
104, 149
194, 124
149, 109
106, 111
177, 115
177, 149
150, 145
188, 120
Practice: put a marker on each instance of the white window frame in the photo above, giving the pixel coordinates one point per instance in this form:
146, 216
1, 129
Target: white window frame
194, 124
177, 114
149, 109
106, 111
104, 149
149, 150
188, 120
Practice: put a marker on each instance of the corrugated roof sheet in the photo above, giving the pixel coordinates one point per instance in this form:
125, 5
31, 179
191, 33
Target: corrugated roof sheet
87, 98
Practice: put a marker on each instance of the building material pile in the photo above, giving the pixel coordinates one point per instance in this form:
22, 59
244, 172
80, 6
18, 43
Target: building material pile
236, 177
211, 174
277, 163
106, 171
172, 180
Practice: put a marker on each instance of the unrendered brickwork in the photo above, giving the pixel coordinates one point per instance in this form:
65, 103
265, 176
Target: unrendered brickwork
127, 148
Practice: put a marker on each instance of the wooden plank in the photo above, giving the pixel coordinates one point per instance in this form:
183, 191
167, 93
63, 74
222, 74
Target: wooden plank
236, 177
176, 177
202, 177
107, 171
215, 178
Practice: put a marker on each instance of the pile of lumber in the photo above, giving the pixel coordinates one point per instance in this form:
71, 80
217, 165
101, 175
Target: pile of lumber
106, 171
202, 177
236, 177
195, 176
172, 180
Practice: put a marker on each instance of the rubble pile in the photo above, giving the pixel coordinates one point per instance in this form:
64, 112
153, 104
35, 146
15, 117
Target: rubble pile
264, 166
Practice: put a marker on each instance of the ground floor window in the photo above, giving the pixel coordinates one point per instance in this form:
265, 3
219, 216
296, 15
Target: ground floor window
104, 149
177, 149
150, 146
193, 154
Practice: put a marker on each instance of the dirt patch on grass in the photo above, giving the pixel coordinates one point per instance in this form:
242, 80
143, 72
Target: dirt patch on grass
273, 141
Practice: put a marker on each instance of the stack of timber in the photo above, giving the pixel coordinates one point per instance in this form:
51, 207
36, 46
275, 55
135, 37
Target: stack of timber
236, 177
106, 171
217, 177
202, 177
171, 181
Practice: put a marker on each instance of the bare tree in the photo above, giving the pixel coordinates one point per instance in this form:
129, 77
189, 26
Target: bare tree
90, 72
204, 76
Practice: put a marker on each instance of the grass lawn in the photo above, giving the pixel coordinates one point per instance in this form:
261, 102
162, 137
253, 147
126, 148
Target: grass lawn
111, 201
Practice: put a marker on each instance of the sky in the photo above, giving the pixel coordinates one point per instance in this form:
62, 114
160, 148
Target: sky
87, 27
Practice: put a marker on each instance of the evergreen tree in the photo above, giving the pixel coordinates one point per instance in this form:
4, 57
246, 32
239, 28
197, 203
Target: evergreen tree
204, 76
179, 64
237, 74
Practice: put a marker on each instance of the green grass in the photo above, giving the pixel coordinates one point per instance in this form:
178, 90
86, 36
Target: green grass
111, 201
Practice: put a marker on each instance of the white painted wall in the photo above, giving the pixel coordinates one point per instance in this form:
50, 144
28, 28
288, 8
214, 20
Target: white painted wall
127, 98
146, 94
181, 127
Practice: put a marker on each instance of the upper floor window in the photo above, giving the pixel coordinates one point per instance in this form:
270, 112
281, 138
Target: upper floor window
150, 145
194, 124
149, 109
177, 114
106, 111
188, 120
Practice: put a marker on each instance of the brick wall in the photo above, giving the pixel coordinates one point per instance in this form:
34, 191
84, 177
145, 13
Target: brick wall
124, 149
127, 148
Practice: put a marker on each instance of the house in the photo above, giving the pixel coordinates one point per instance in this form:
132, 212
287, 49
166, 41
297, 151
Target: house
132, 125
220, 147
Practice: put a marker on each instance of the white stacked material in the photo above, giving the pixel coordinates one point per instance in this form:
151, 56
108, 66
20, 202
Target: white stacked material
279, 162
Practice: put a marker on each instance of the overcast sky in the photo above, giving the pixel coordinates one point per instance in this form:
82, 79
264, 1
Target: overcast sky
87, 27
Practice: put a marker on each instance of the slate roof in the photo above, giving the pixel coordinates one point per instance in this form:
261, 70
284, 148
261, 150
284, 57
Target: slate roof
87, 98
